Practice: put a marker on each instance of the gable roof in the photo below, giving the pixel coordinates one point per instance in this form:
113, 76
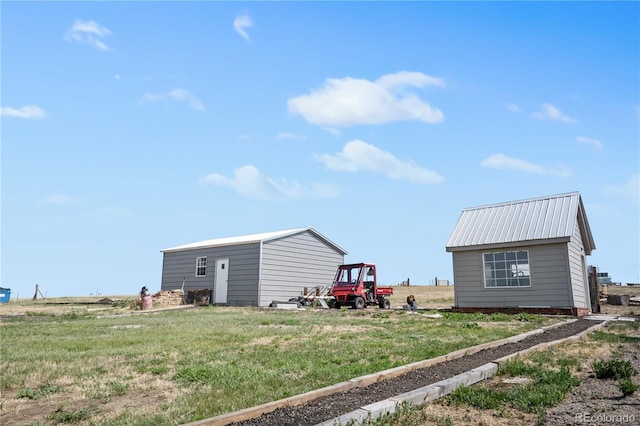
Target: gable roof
253, 238
533, 221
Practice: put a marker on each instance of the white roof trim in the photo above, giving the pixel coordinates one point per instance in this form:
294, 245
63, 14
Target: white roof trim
251, 238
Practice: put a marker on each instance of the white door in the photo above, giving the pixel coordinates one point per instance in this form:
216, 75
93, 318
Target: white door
222, 281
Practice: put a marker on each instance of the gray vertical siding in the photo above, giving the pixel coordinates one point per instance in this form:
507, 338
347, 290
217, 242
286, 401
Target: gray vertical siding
576, 251
243, 271
550, 279
291, 263
181, 265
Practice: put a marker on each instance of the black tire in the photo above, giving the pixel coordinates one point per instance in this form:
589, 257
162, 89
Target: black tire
385, 304
359, 303
337, 305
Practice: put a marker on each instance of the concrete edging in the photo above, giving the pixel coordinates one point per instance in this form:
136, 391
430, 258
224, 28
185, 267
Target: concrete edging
415, 397
445, 387
362, 381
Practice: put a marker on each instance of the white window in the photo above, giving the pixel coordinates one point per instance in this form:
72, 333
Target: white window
201, 266
507, 269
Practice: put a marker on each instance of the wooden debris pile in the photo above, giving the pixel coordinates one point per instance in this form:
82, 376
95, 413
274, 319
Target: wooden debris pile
199, 297
165, 298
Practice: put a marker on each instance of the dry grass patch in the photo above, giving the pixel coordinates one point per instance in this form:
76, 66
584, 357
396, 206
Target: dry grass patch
442, 415
65, 305
495, 324
334, 329
433, 297
262, 341
586, 351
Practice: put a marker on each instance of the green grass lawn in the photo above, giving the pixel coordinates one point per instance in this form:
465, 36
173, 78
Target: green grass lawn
191, 364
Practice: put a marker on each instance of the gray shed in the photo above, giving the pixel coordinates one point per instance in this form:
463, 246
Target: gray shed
253, 270
526, 255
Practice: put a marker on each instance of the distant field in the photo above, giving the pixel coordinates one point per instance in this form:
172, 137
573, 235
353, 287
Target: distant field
427, 296
621, 310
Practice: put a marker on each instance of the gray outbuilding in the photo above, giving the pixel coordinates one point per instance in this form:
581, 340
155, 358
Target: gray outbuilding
526, 255
253, 270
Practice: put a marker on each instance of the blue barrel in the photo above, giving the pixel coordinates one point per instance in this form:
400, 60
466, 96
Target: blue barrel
5, 295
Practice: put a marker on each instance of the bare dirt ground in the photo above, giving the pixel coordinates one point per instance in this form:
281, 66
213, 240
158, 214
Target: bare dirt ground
600, 401
23, 413
633, 309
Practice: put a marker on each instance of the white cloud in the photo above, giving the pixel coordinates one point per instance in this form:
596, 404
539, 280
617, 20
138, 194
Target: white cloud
357, 155
180, 95
408, 78
241, 23
90, 27
629, 190
588, 141
31, 111
349, 101
57, 198
502, 162
513, 107
249, 182
89, 33
549, 112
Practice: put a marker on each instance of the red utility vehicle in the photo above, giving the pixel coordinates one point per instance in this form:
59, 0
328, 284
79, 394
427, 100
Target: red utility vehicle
356, 285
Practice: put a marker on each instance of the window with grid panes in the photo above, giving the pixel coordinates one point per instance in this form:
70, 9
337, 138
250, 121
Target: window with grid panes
201, 266
506, 269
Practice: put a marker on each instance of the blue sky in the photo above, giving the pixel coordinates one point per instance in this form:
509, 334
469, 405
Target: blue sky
129, 127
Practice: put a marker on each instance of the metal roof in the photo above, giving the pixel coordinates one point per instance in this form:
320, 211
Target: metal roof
535, 221
252, 238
